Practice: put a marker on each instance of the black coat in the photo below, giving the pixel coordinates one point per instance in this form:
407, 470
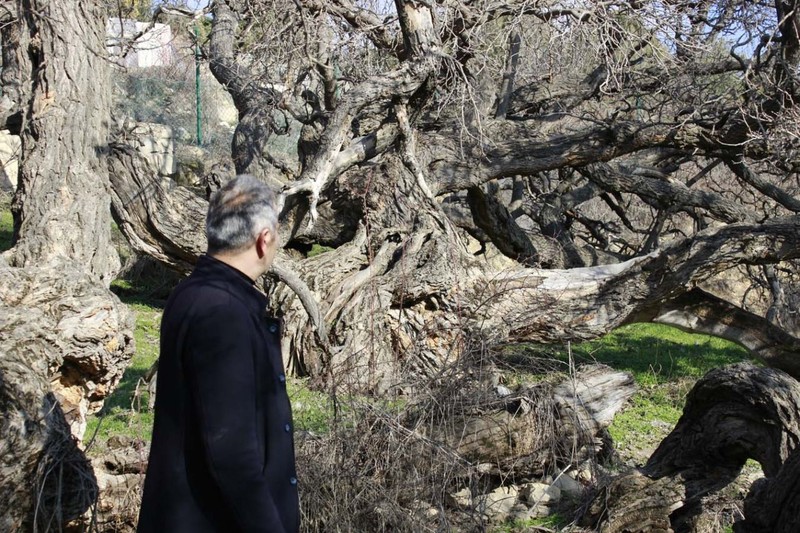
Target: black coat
222, 454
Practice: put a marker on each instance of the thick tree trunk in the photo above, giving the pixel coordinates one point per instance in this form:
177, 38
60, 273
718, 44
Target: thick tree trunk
732, 414
158, 217
62, 205
410, 297
63, 336
773, 504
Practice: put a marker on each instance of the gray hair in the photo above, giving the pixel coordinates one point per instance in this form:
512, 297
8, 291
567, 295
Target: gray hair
237, 212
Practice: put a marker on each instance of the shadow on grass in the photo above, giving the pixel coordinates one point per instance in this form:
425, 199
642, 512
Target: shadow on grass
137, 297
123, 395
6, 240
653, 353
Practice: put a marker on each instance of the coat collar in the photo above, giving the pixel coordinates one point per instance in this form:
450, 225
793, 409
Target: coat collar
211, 269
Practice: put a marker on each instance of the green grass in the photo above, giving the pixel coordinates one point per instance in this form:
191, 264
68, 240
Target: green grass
658, 354
649, 418
665, 362
6, 223
311, 410
317, 249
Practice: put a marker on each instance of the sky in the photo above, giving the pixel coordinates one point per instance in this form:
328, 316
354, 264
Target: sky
197, 4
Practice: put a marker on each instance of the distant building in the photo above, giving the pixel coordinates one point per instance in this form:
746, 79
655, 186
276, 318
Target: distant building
139, 44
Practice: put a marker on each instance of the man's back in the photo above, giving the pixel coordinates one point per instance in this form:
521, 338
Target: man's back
222, 455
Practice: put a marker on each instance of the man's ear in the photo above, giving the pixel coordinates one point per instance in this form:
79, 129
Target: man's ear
262, 242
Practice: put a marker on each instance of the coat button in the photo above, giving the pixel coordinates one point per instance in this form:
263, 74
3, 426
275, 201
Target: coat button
293, 480
287, 428
273, 328
282, 378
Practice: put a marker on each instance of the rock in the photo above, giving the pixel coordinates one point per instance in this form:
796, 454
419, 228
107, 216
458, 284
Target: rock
524, 514
539, 493
485, 468
156, 143
193, 162
584, 472
498, 504
520, 512
568, 487
502, 391
424, 509
183, 135
461, 499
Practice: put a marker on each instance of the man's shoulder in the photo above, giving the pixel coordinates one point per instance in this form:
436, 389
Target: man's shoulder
200, 297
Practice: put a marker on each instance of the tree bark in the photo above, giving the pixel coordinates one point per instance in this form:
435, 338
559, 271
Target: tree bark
64, 338
64, 139
425, 293
732, 414
772, 504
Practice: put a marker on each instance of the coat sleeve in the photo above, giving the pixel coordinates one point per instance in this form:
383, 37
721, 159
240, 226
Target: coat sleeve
221, 366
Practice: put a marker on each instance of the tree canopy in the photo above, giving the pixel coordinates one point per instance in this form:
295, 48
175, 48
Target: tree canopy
628, 160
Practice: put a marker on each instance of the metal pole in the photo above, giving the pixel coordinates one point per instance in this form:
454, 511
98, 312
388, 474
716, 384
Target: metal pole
197, 83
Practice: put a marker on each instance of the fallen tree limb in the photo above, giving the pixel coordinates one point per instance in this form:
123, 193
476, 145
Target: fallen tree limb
525, 433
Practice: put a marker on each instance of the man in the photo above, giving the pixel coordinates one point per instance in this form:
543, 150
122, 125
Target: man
222, 455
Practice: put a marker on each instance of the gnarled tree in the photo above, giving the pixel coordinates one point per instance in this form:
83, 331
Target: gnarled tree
619, 161
483, 172
494, 172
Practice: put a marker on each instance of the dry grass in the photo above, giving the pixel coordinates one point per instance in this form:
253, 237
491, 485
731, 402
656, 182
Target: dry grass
378, 470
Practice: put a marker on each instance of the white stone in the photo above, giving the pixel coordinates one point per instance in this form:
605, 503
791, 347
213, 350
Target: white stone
520, 511
484, 468
425, 509
462, 499
156, 143
498, 504
585, 474
568, 486
539, 493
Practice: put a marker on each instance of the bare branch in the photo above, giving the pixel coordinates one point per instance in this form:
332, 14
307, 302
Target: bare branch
665, 194
743, 172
